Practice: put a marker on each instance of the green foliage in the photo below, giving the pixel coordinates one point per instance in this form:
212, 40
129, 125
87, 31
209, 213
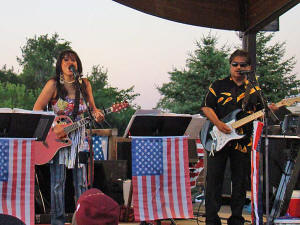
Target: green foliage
8, 75
16, 96
98, 77
105, 96
38, 60
276, 75
186, 89
39, 57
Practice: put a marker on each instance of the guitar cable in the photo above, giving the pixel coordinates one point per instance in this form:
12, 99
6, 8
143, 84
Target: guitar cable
40, 193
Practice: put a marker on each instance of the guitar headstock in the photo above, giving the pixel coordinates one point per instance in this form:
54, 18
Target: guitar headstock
288, 101
119, 106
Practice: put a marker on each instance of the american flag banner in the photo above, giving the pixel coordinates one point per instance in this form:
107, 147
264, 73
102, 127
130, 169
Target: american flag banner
198, 167
256, 184
160, 178
17, 179
100, 147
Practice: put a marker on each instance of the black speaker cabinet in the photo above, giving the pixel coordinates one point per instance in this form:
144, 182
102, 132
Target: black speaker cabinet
109, 176
124, 153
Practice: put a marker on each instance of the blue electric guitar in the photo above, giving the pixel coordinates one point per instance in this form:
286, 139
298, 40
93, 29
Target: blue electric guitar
214, 140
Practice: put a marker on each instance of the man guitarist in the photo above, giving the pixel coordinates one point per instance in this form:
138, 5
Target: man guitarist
223, 97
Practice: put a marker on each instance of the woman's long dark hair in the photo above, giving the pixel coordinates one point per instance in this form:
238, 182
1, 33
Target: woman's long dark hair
61, 90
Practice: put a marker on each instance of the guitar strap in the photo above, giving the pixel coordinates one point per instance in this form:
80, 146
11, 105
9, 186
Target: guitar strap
247, 95
76, 106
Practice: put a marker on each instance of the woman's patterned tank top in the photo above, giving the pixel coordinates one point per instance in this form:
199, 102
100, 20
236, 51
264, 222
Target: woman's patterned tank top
65, 107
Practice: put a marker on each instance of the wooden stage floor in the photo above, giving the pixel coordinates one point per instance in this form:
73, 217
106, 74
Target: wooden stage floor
224, 214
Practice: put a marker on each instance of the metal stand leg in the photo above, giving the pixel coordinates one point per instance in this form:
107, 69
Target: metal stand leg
275, 212
287, 184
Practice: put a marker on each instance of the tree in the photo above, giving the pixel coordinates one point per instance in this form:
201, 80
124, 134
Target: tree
16, 96
8, 75
39, 57
186, 89
38, 60
106, 95
276, 76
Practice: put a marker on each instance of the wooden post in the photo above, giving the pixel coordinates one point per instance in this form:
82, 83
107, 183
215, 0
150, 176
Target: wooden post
249, 44
112, 135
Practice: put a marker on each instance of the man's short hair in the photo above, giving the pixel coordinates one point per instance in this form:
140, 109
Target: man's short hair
241, 53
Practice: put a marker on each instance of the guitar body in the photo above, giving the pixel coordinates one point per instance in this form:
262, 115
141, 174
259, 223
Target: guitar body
46, 150
214, 140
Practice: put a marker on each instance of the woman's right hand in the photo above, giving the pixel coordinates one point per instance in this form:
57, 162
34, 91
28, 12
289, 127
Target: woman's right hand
58, 129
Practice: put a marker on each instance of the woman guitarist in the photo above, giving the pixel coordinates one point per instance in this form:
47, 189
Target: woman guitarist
61, 93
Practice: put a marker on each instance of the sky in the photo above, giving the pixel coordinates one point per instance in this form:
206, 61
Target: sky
137, 49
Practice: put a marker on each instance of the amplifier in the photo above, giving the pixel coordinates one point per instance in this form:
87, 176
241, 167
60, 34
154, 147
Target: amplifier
291, 125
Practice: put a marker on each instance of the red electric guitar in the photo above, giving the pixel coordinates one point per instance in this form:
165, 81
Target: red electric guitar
46, 150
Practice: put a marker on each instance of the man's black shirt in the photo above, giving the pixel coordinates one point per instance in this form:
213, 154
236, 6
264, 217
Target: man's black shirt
224, 96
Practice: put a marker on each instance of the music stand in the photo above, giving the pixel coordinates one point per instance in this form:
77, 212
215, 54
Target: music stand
156, 123
20, 123
24, 124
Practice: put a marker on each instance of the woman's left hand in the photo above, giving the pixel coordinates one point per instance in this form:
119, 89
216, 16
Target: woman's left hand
98, 115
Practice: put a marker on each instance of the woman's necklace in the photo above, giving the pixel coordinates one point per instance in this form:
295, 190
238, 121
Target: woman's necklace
70, 82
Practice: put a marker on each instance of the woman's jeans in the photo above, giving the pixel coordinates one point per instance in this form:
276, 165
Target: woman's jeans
58, 179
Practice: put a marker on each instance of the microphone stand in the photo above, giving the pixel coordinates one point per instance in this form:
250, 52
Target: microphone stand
253, 80
92, 123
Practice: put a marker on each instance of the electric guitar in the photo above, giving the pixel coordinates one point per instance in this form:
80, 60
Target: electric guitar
214, 140
46, 150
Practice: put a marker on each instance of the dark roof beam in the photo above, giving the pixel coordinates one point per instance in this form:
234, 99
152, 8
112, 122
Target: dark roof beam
243, 8
218, 14
263, 12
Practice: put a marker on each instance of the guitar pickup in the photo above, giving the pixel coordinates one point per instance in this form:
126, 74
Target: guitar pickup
62, 140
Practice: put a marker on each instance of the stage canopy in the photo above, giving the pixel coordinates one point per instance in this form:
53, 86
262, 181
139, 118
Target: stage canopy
238, 15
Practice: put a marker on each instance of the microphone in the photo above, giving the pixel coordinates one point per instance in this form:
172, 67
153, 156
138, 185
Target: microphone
74, 71
243, 72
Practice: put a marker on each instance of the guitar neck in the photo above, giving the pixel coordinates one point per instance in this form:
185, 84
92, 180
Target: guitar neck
260, 113
76, 125
80, 123
108, 110
247, 119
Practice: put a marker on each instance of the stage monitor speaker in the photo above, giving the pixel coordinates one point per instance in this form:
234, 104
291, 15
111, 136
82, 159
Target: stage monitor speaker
109, 176
279, 151
124, 153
